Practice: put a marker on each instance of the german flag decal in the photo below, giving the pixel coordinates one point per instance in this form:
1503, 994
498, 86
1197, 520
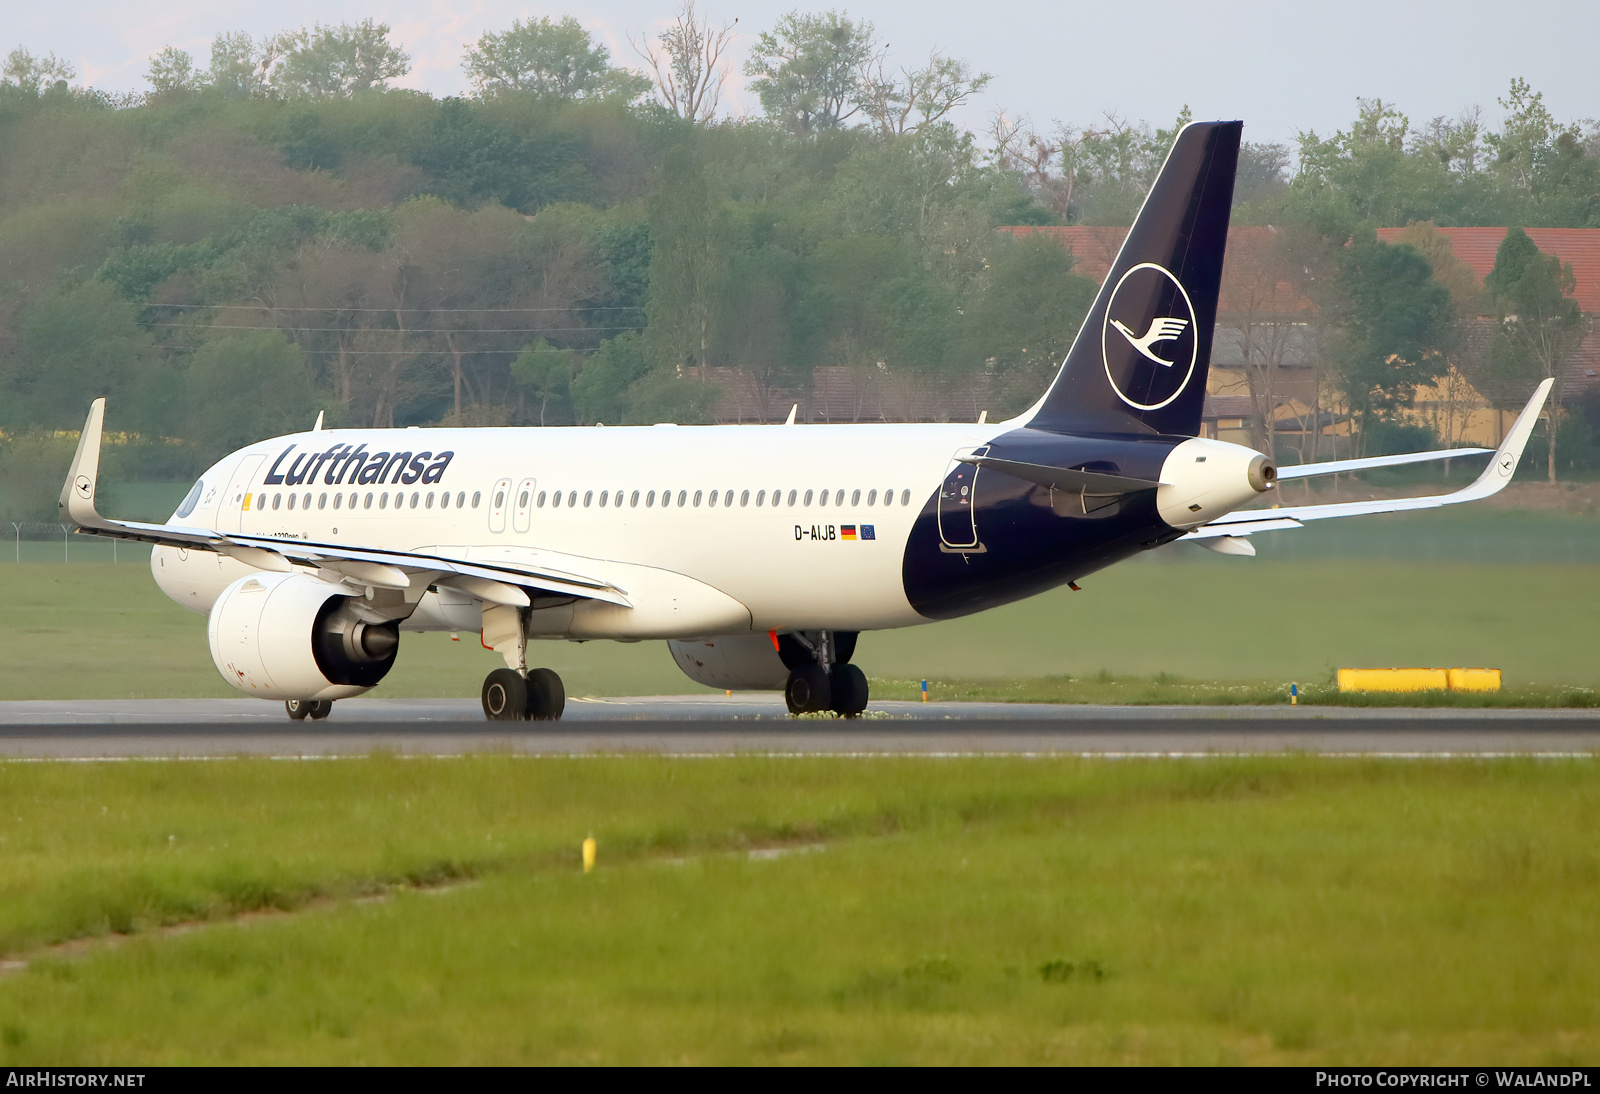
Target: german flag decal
847, 531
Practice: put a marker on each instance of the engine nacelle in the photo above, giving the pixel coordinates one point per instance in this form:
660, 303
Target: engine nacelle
738, 664
292, 636
1203, 479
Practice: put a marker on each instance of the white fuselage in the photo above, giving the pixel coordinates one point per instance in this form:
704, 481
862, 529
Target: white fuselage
768, 553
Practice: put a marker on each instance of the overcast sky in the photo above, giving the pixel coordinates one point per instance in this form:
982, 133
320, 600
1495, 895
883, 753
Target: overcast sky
1281, 67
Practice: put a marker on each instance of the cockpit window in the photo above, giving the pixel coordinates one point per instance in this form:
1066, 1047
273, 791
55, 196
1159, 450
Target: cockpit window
191, 499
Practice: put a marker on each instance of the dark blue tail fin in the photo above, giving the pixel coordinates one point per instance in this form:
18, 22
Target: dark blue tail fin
1140, 361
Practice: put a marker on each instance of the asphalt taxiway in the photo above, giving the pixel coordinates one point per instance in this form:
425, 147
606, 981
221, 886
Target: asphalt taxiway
758, 723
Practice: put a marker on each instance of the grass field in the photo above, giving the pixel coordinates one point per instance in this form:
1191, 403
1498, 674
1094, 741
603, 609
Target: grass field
88, 630
1265, 910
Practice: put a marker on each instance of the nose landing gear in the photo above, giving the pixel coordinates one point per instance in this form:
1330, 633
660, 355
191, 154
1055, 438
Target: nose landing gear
820, 674
509, 696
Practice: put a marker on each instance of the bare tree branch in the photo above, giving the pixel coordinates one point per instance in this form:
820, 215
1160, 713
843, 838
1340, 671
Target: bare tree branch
686, 64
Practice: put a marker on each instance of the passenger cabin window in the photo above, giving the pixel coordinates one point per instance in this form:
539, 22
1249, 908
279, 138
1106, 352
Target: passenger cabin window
499, 500
698, 495
588, 496
872, 497
603, 495
634, 500
744, 499
649, 499
791, 498
337, 498
277, 500
905, 497
429, 503
711, 499
291, 501
477, 496
807, 498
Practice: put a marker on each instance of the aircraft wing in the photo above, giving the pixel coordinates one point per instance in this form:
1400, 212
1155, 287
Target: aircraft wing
499, 581
1337, 467
1501, 467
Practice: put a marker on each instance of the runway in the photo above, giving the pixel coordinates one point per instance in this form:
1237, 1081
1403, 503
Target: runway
758, 723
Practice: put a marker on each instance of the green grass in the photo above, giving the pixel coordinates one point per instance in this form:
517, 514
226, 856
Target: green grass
1263, 910
86, 630
1165, 689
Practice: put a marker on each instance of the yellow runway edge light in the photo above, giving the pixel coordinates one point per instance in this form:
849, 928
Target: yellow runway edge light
1419, 679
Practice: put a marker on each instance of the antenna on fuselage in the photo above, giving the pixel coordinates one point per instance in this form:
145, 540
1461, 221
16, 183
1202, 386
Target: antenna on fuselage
318, 427
792, 412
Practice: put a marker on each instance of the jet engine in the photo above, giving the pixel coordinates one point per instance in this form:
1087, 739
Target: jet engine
1203, 479
293, 636
740, 664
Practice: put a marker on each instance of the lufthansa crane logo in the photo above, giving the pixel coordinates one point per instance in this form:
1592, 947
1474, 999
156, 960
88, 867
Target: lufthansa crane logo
1149, 341
85, 487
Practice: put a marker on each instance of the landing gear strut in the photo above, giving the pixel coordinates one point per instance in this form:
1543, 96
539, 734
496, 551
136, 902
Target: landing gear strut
315, 709
509, 696
820, 674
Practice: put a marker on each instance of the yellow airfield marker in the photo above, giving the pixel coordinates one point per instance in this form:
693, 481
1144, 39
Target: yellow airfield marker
588, 854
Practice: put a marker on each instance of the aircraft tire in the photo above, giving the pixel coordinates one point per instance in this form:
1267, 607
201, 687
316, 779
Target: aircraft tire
547, 696
505, 696
297, 708
320, 709
807, 691
848, 687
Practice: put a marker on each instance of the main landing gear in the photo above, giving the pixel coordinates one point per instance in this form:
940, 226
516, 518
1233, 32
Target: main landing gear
820, 674
509, 696
315, 709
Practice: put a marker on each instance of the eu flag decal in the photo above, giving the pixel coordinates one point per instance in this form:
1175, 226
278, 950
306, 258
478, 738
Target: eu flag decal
847, 531
867, 533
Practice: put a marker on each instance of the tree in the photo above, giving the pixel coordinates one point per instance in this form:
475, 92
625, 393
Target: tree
1396, 324
599, 392
1023, 322
687, 66
558, 60
1539, 321
71, 347
247, 386
238, 66
809, 70
172, 72
336, 61
687, 263
1464, 346
545, 371
36, 74
917, 97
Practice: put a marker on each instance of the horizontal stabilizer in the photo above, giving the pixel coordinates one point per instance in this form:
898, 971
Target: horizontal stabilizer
1064, 478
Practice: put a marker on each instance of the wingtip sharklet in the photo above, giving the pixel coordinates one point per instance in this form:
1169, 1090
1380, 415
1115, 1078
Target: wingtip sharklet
77, 493
1503, 464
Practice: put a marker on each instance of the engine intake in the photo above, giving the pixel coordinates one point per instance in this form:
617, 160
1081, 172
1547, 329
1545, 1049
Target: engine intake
292, 636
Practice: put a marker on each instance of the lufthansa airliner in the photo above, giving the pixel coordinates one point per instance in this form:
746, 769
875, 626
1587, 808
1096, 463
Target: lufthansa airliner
759, 553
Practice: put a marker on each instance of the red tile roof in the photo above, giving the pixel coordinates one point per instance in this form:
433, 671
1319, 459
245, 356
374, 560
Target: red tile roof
1579, 247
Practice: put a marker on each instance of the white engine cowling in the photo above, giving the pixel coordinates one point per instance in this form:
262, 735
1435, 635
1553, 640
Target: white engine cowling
738, 664
292, 636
